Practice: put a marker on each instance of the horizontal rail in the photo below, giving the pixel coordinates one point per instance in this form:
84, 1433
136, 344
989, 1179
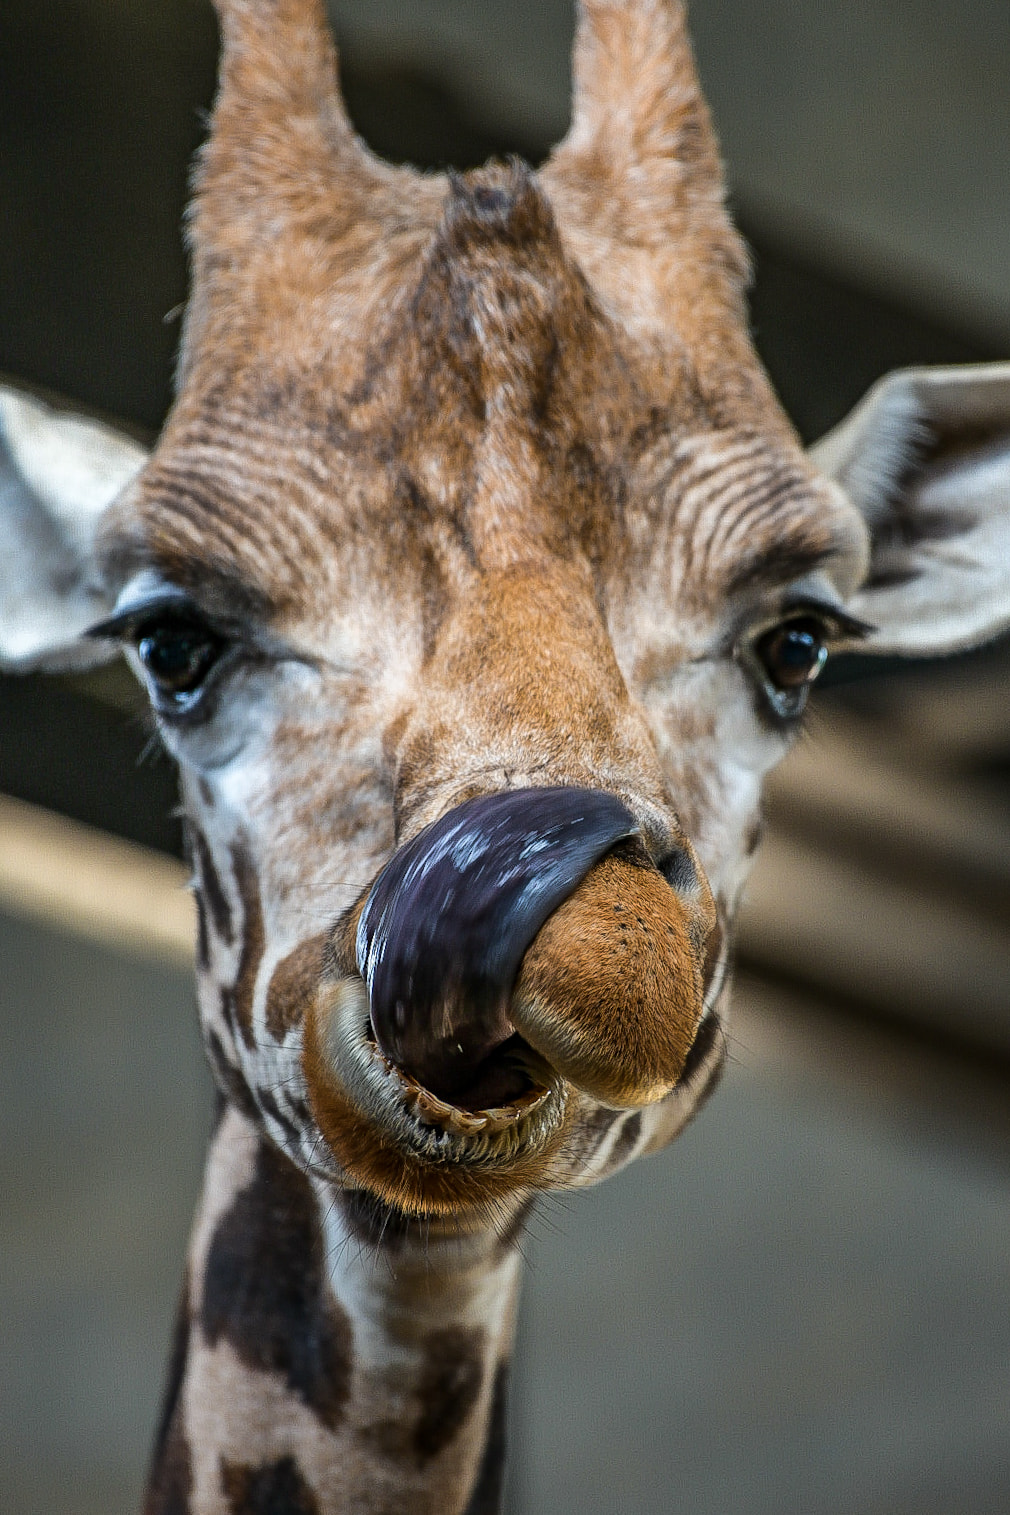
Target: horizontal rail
78, 879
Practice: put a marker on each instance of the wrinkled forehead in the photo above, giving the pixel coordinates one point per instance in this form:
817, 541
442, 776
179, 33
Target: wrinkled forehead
421, 405
737, 516
476, 406
288, 528
298, 549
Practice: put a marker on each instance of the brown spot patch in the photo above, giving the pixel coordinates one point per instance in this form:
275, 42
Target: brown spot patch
446, 1392
202, 943
448, 1389
275, 1488
239, 997
374, 1224
171, 1482
292, 984
211, 888
753, 835
265, 1289
271, 1106
508, 1237
623, 1147
595, 1128
711, 1029
228, 1078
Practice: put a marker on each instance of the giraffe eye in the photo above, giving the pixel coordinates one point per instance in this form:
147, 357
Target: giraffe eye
794, 653
178, 655
180, 649
790, 656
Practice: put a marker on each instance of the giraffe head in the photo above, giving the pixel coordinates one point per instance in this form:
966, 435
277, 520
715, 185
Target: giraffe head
477, 581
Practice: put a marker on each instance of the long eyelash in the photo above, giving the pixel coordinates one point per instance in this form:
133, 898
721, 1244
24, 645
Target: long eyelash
113, 629
838, 622
133, 618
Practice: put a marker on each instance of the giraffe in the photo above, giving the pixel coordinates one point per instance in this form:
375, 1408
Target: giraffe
477, 580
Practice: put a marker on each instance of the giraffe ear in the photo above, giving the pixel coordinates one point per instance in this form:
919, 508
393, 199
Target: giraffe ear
925, 458
58, 473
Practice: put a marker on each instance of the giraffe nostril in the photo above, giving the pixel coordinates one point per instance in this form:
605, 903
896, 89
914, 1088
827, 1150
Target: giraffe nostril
677, 867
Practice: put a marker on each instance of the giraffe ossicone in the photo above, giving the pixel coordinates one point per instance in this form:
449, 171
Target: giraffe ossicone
477, 580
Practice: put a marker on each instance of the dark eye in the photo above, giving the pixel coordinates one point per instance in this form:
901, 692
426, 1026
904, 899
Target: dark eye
178, 655
794, 653
791, 656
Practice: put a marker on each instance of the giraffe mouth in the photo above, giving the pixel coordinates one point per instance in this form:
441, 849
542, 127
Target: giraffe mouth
447, 922
509, 1079
514, 1103
522, 953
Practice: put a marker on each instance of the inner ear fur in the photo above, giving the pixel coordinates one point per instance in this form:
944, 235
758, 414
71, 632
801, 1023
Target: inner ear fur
59, 472
925, 457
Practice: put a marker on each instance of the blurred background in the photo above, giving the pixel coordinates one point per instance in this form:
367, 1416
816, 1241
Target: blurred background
802, 1306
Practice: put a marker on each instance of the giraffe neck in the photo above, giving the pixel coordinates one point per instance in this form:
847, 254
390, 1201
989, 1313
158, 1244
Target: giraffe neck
322, 1365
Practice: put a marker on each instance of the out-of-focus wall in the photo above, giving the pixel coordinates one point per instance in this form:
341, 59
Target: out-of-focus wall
874, 134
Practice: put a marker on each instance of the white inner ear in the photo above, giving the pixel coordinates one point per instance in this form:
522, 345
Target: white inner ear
925, 457
58, 474
873, 449
74, 467
950, 588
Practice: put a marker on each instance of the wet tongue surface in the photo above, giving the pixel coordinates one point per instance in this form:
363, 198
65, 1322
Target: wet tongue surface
449, 919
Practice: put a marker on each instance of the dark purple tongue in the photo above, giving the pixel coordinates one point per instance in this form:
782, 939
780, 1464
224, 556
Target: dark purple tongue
448, 921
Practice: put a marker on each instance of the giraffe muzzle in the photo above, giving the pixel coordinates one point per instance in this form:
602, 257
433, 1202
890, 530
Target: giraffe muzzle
528, 929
